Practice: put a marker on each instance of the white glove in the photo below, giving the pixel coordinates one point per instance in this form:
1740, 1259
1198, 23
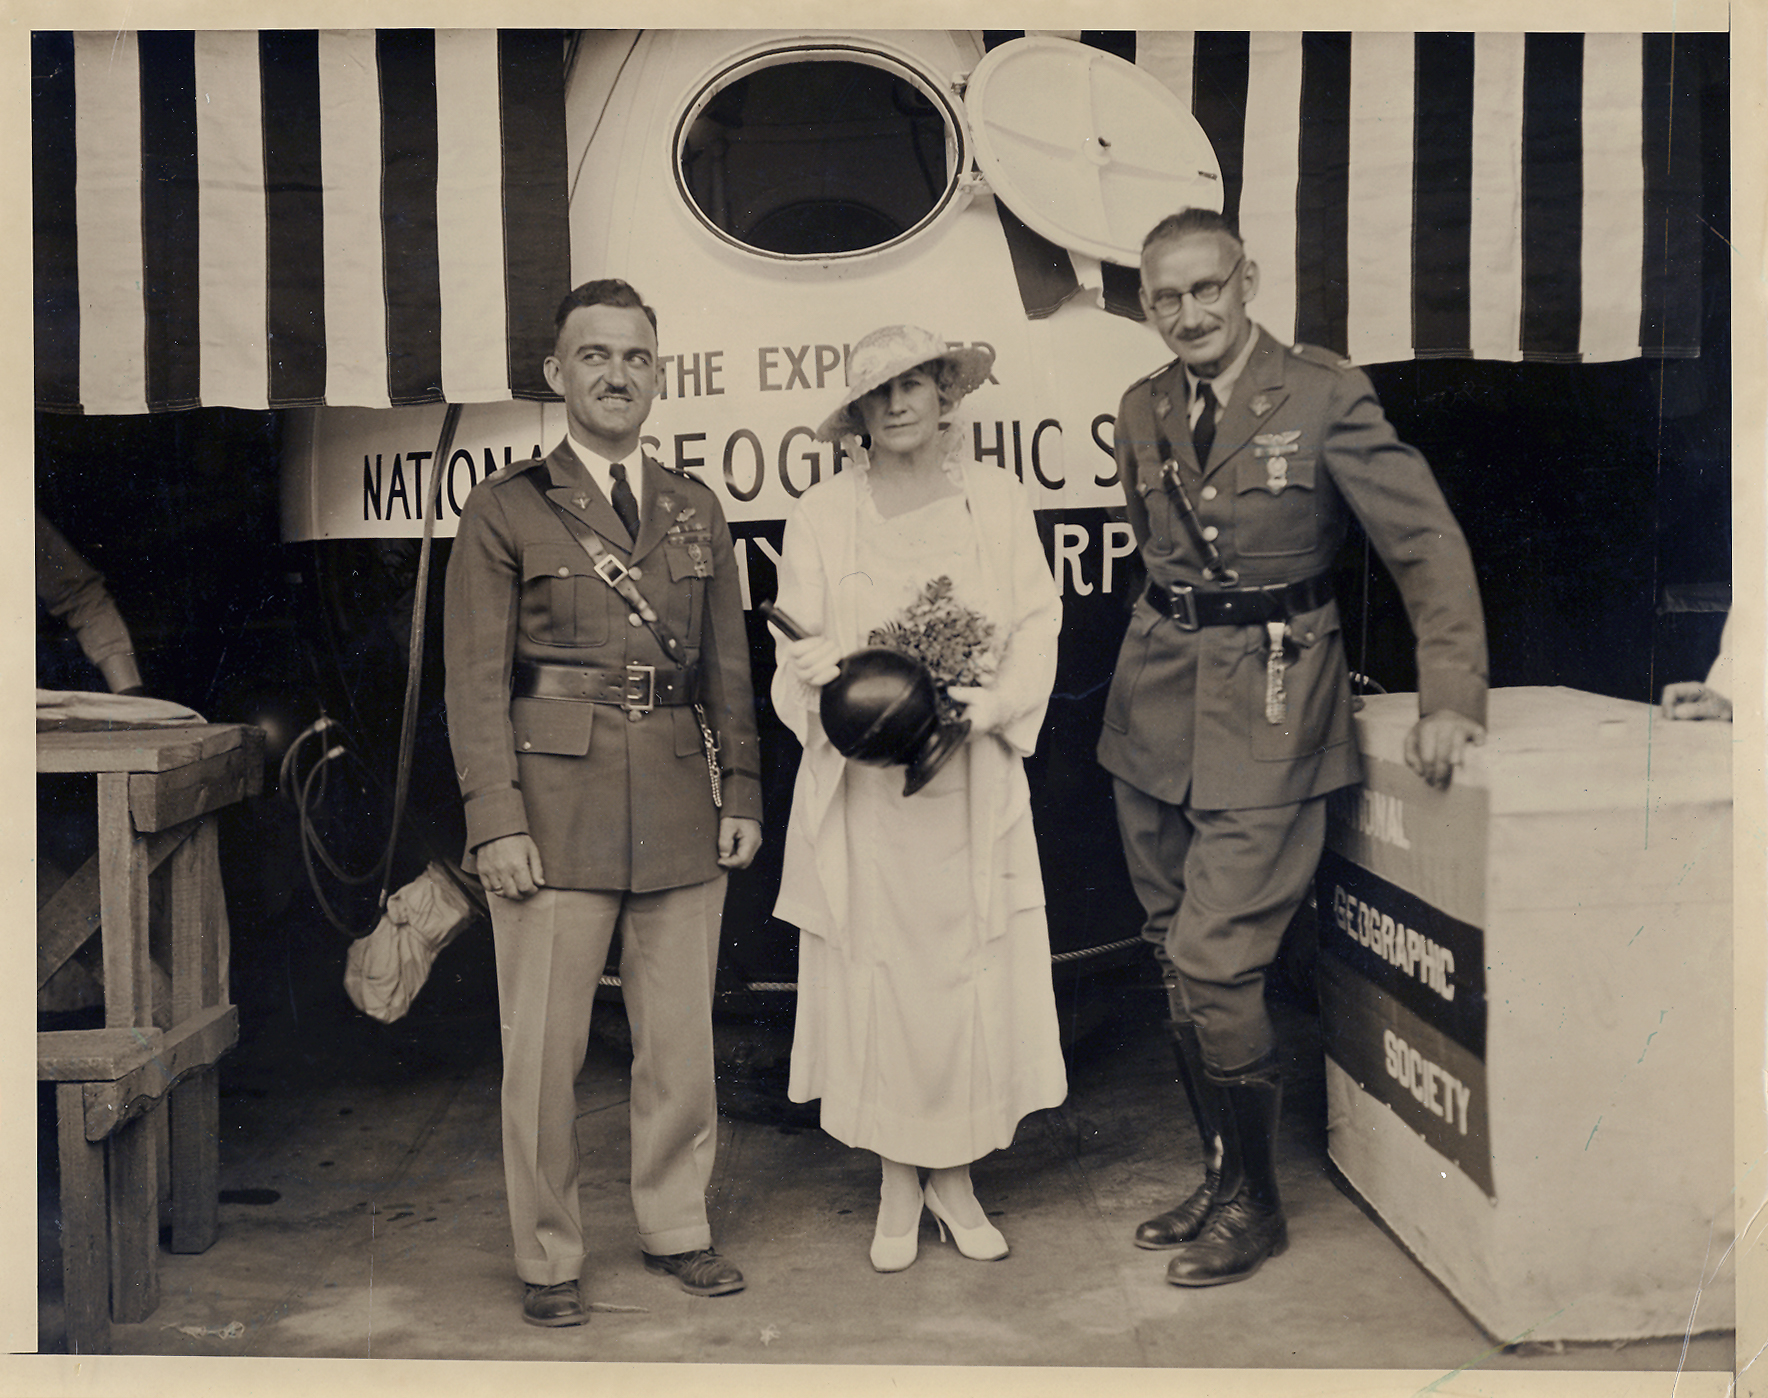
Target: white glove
814, 661
982, 707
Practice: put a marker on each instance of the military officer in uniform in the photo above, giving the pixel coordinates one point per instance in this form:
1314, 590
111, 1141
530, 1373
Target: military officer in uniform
603, 726
1229, 715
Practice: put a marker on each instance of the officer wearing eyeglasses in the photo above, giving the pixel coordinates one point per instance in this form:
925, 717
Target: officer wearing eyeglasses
1229, 717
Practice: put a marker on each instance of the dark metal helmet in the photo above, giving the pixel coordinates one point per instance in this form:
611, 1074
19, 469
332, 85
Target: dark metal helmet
881, 708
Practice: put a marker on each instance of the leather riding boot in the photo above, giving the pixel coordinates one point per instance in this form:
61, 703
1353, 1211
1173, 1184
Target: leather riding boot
1247, 1224
1182, 1222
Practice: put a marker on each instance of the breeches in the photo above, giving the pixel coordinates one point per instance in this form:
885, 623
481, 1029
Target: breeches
552, 949
1219, 888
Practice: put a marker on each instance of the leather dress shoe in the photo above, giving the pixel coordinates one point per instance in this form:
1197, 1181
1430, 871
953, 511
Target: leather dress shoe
1183, 1222
701, 1272
559, 1304
1234, 1244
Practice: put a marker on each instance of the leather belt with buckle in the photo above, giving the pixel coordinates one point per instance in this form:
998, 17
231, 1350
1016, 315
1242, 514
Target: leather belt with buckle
1192, 607
633, 687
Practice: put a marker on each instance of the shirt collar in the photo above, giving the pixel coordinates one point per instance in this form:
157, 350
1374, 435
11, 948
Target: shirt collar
597, 465
1222, 385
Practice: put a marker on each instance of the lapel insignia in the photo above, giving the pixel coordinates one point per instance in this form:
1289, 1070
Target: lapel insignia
581, 502
1260, 405
1163, 405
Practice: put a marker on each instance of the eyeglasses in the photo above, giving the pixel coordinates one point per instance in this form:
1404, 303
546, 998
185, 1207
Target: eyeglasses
1167, 302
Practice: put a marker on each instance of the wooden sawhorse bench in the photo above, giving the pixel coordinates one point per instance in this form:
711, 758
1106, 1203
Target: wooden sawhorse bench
157, 791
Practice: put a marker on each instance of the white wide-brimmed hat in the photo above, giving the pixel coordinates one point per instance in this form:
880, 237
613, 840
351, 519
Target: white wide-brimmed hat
882, 355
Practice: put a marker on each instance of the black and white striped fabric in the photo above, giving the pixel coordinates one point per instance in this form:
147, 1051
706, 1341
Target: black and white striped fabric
1487, 196
277, 219
374, 218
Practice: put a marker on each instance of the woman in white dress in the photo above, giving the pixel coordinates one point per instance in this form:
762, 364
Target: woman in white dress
926, 1018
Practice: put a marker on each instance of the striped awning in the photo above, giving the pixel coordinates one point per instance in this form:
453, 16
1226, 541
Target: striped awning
1489, 196
374, 218
292, 218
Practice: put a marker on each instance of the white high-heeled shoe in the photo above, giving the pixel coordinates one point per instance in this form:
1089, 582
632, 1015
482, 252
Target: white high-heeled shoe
894, 1252
982, 1243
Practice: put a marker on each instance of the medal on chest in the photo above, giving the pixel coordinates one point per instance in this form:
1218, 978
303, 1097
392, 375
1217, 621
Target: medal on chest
1275, 448
696, 542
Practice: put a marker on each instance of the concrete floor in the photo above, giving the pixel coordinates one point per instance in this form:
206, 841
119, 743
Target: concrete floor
362, 1216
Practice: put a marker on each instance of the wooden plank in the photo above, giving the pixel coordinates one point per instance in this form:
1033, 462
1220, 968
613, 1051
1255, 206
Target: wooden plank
193, 923
185, 1048
135, 749
85, 1240
217, 943
67, 921
134, 1223
196, 1172
161, 1122
94, 1055
122, 900
251, 742
160, 800
71, 916
162, 996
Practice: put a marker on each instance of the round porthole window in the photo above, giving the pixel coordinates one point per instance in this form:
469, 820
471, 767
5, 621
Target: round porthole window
818, 152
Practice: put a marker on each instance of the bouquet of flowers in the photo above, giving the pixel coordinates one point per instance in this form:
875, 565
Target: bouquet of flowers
952, 641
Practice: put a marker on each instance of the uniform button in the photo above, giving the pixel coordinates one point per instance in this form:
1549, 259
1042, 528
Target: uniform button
1209, 492
564, 572
634, 715
634, 619
1210, 532
635, 573
526, 745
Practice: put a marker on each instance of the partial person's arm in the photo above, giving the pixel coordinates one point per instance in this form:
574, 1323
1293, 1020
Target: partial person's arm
482, 594
1708, 700
1389, 486
74, 591
1013, 703
803, 667
728, 695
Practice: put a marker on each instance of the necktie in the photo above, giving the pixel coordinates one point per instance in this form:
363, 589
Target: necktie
1203, 430
625, 502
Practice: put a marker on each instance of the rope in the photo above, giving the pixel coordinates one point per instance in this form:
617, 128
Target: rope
612, 982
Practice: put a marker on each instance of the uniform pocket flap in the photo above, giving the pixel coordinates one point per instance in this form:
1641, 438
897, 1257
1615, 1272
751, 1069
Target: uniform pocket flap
557, 726
689, 557
553, 561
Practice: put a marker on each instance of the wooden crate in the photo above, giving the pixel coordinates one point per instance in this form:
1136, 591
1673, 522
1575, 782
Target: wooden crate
1526, 990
